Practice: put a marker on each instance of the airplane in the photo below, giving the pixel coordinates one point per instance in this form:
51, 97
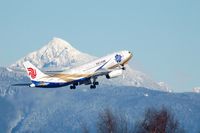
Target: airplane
110, 66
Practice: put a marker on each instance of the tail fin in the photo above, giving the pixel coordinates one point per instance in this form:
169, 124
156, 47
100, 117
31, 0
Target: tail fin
34, 73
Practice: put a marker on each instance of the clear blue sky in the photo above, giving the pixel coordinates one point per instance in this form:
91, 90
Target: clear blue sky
163, 35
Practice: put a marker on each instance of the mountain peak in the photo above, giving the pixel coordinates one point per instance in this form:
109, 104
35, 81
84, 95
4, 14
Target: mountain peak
58, 42
57, 53
57, 39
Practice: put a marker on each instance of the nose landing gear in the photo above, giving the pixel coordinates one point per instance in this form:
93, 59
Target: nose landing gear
123, 68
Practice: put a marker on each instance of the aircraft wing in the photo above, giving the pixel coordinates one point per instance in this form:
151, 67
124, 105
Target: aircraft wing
103, 72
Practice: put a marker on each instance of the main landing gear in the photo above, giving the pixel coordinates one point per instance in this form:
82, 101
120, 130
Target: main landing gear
94, 84
73, 86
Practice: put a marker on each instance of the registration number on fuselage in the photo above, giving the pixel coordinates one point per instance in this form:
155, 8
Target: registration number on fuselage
101, 62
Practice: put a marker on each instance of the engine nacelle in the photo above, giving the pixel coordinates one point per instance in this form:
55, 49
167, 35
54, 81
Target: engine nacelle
114, 74
32, 85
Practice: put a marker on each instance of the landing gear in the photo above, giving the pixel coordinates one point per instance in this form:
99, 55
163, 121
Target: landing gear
123, 68
93, 83
73, 86
96, 83
92, 86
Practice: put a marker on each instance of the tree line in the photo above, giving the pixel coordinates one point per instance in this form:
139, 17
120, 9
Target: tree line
154, 121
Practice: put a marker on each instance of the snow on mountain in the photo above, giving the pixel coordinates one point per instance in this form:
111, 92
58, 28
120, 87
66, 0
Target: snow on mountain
7, 78
196, 89
132, 77
55, 54
164, 86
59, 53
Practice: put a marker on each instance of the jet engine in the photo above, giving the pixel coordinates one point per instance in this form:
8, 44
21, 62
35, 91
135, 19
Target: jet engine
32, 85
114, 74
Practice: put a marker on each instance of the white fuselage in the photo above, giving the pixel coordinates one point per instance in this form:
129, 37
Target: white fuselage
83, 73
107, 62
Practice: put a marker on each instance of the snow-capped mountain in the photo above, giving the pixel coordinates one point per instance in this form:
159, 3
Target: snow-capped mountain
59, 54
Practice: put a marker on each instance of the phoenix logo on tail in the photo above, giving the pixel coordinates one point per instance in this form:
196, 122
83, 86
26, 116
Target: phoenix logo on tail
32, 72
